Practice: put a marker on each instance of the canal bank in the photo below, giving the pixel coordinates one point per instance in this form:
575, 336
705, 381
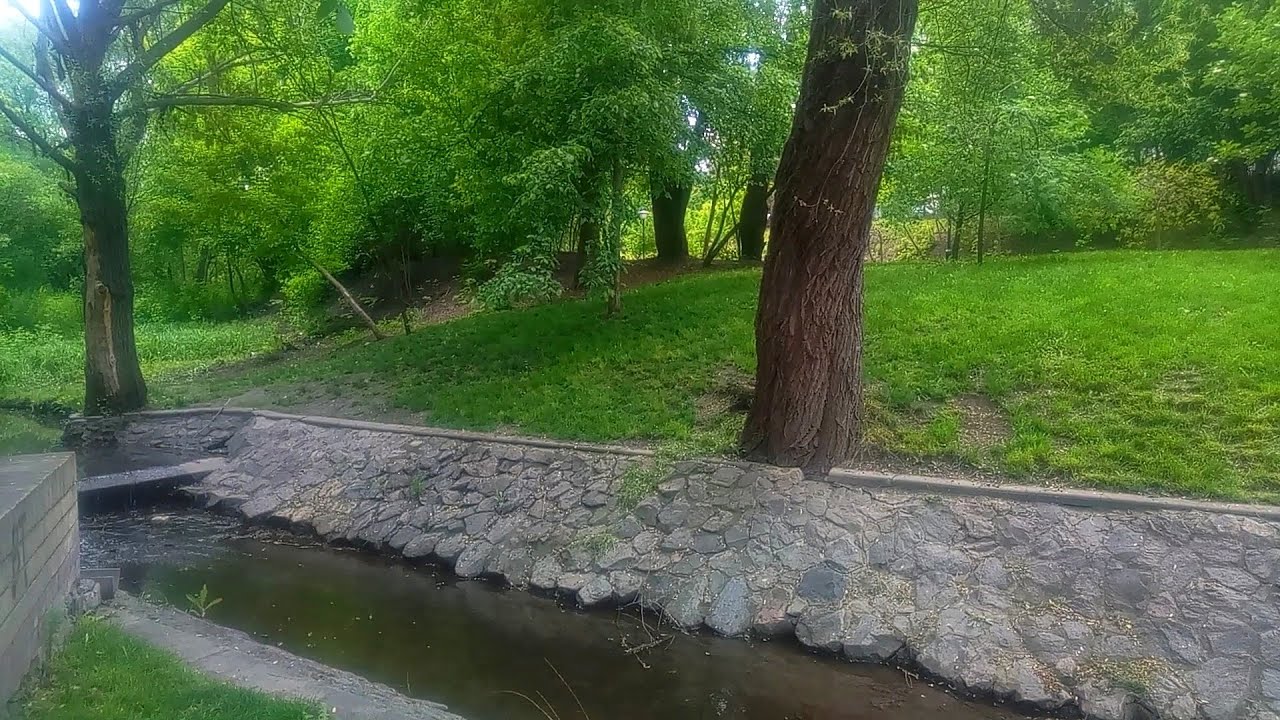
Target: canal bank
1116, 613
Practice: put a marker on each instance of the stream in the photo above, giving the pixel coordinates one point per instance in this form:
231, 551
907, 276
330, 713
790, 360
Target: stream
481, 649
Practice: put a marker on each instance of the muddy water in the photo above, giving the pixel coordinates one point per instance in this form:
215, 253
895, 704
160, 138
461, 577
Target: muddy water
475, 647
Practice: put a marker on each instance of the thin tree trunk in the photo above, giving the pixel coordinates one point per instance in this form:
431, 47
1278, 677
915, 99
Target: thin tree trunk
346, 295
615, 238
588, 238
953, 241
670, 205
807, 409
711, 218
113, 377
982, 198
753, 219
722, 239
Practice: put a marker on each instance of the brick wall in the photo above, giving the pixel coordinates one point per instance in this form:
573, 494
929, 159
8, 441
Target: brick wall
39, 556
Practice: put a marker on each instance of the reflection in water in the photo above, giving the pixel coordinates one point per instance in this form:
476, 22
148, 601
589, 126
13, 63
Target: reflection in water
465, 643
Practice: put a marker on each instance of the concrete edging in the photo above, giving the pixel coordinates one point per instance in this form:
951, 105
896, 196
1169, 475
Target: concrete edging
1090, 499
1078, 498
420, 430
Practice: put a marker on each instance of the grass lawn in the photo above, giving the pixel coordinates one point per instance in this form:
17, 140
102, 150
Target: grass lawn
20, 434
104, 674
48, 364
1140, 371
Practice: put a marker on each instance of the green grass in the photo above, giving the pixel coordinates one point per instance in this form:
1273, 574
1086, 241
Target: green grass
47, 364
104, 674
20, 434
1142, 371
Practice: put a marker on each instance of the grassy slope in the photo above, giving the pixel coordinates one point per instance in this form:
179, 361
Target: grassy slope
48, 365
21, 434
103, 674
1153, 371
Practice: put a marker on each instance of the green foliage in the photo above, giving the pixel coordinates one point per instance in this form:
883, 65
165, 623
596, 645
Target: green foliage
104, 674
1179, 204
47, 363
201, 603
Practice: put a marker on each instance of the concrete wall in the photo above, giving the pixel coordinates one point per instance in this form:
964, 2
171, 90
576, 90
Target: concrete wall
39, 556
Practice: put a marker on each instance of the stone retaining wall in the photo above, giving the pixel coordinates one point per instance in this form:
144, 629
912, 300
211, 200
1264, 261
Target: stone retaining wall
1119, 613
39, 556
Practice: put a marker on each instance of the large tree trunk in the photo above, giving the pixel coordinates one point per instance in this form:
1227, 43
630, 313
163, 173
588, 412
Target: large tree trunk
670, 204
754, 218
113, 378
807, 409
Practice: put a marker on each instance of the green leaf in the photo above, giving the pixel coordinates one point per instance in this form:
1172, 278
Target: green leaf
346, 23
327, 8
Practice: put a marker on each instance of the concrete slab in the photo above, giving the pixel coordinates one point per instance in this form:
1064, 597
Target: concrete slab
151, 478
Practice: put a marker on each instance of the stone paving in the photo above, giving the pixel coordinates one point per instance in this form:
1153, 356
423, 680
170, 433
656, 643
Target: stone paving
1116, 614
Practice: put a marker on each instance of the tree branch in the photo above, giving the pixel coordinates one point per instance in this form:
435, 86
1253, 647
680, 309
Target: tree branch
37, 139
135, 16
246, 59
60, 15
58, 43
166, 45
41, 82
162, 102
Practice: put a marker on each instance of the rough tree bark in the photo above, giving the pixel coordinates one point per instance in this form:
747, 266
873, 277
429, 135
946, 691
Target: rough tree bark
807, 409
113, 376
670, 205
753, 219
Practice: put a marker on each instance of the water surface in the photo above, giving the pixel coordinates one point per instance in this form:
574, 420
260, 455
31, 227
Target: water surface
473, 646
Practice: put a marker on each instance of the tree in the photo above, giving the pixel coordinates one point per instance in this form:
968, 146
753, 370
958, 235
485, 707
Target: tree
94, 66
86, 61
807, 408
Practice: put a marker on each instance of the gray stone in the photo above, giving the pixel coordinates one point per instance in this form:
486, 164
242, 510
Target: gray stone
646, 542
736, 536
687, 608
546, 574
573, 582
673, 516
681, 539
1271, 684
1223, 687
845, 555
421, 546
597, 590
825, 583
872, 641
619, 557
822, 631
478, 523
626, 586
472, 561
707, 543
401, 539
733, 611
449, 548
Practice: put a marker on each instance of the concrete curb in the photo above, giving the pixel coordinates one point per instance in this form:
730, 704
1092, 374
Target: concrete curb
420, 430
1089, 499
1078, 498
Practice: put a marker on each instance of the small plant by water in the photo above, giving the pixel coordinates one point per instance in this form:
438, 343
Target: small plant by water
201, 603
596, 542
